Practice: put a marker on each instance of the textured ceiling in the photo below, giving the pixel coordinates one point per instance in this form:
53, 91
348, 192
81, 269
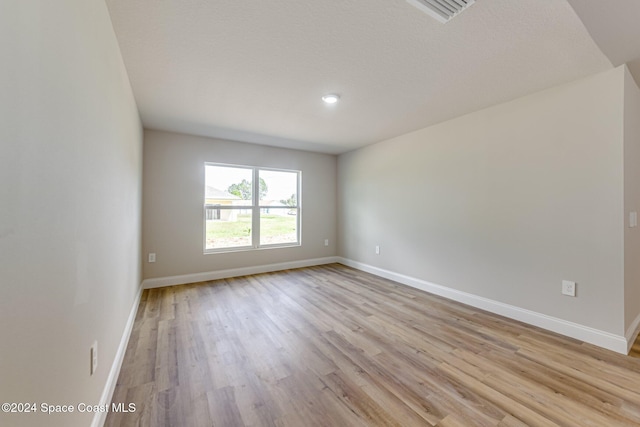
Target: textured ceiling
255, 70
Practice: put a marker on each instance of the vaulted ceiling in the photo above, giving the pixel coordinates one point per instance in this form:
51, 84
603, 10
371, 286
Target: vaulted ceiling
255, 71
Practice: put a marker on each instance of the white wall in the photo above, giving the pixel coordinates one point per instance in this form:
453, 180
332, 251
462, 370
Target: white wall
503, 203
173, 203
631, 203
70, 190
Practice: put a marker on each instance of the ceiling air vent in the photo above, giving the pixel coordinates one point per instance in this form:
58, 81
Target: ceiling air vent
442, 10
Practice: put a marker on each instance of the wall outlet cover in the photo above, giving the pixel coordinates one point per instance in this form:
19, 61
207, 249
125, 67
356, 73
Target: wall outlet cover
94, 357
568, 288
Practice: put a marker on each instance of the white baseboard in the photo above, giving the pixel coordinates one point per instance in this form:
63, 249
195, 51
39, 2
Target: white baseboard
233, 272
632, 333
107, 393
597, 337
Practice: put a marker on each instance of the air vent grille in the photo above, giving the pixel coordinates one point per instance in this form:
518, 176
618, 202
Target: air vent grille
442, 10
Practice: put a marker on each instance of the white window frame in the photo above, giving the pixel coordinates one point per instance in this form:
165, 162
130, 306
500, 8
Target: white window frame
255, 209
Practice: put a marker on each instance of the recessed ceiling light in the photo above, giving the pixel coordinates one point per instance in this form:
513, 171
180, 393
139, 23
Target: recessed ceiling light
331, 98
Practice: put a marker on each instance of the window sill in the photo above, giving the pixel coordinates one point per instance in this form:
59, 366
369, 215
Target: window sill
250, 248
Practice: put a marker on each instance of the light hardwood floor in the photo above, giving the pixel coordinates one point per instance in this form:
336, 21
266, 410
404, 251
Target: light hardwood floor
333, 346
635, 350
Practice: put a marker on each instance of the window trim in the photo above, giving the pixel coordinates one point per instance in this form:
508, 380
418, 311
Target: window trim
255, 207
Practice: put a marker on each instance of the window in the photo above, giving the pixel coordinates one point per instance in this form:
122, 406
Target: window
240, 215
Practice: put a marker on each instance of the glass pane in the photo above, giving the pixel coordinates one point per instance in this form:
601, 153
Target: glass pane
227, 186
278, 225
278, 188
228, 228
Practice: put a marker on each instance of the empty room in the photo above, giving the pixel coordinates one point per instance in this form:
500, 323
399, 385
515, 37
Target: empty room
319, 213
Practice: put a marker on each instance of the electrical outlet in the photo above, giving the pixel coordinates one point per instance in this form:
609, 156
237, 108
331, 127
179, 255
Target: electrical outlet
152, 257
568, 288
326, 242
94, 357
377, 250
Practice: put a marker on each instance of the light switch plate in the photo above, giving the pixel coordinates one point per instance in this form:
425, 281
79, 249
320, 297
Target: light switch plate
633, 219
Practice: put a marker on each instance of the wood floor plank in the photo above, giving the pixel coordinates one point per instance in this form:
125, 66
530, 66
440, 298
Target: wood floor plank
333, 346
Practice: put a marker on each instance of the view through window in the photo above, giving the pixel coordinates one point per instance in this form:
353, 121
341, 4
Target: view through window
241, 215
